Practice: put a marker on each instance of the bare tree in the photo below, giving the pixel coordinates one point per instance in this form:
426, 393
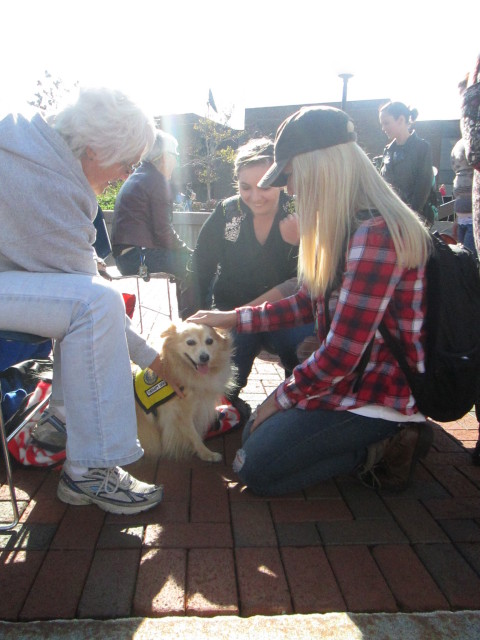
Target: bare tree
50, 91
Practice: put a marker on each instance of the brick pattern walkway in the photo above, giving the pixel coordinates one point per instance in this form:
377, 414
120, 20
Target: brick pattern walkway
212, 548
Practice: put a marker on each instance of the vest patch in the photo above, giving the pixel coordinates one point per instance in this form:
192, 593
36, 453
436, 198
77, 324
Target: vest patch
151, 391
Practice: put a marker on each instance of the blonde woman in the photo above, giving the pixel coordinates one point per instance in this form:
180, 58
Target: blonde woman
363, 250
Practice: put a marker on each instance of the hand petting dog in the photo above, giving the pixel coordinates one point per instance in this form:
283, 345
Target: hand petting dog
162, 370
218, 319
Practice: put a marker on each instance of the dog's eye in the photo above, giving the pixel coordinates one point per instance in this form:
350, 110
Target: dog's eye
191, 343
209, 341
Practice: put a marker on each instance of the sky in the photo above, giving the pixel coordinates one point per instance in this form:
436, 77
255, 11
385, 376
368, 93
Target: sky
250, 53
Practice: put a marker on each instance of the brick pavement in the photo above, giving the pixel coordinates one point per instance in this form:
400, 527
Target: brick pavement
213, 549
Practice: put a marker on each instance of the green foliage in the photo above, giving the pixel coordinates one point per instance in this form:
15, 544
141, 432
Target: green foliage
213, 151
107, 199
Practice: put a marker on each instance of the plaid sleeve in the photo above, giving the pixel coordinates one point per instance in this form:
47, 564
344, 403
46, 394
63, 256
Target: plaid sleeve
368, 285
289, 312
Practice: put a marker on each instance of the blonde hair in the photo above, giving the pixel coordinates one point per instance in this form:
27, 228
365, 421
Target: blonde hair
332, 185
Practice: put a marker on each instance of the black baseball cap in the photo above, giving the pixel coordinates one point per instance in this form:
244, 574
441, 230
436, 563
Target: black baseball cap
307, 129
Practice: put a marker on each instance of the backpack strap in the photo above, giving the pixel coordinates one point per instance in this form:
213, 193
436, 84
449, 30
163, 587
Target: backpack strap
395, 347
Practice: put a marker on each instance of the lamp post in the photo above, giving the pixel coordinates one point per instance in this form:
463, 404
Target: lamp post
345, 77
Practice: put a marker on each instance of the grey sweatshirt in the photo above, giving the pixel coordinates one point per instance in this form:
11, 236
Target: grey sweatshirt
47, 208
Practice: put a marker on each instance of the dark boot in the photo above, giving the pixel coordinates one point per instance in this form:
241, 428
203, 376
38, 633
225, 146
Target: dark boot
476, 454
396, 468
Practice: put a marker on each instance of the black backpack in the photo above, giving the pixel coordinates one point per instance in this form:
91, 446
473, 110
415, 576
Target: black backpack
449, 387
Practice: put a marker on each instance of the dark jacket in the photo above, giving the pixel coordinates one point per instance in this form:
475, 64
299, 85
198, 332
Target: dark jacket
143, 212
408, 169
228, 249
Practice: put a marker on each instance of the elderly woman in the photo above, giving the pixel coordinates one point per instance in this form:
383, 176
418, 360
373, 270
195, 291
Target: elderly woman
50, 174
142, 231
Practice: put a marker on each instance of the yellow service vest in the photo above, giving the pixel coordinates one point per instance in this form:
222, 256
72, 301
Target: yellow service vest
150, 391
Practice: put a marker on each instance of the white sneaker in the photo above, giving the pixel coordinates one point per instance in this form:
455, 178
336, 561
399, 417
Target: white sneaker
112, 489
50, 432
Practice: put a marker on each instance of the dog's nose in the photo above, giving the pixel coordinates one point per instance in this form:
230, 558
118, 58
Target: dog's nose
204, 357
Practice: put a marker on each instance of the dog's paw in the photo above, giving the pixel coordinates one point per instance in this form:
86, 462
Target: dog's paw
212, 456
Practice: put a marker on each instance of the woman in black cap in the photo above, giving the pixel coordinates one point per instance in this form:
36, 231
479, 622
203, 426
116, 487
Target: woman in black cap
362, 259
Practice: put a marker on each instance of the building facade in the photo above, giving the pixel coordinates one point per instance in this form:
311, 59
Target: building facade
441, 134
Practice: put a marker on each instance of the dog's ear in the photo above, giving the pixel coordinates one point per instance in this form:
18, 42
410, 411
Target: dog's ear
170, 331
223, 334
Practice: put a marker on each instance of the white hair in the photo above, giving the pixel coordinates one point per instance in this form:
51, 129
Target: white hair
109, 123
164, 142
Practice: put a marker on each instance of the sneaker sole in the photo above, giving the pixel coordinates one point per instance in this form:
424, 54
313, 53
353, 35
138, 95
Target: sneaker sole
81, 499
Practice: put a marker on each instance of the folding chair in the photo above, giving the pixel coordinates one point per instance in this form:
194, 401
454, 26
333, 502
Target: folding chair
17, 336
146, 276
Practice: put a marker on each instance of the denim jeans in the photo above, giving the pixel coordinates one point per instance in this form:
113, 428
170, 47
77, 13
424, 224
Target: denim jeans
91, 374
465, 236
295, 449
157, 260
283, 342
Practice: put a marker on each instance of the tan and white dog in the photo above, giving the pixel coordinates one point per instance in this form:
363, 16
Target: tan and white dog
200, 359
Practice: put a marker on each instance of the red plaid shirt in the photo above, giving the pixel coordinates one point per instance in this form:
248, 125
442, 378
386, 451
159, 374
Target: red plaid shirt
374, 286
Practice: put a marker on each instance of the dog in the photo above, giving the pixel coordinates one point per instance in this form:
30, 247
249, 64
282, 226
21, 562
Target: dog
200, 359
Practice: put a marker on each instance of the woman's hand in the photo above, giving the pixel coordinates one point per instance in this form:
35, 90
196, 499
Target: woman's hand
219, 319
102, 269
158, 367
289, 229
265, 410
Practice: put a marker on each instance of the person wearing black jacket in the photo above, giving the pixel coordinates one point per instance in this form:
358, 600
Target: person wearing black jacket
241, 258
407, 159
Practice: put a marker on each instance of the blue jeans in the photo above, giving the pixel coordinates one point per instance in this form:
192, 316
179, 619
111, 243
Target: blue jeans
465, 236
91, 368
283, 342
295, 449
157, 260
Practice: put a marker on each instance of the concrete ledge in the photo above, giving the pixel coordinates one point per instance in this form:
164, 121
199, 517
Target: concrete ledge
463, 625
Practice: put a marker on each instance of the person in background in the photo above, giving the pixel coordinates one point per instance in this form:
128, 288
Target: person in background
362, 260
462, 193
50, 174
470, 126
241, 257
142, 229
407, 159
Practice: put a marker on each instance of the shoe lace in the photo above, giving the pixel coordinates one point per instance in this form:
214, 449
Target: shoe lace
105, 486
369, 478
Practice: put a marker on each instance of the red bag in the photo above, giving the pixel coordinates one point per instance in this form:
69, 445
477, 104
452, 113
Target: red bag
130, 299
228, 419
23, 446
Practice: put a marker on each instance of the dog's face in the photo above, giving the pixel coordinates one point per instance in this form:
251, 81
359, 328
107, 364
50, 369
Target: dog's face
200, 348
